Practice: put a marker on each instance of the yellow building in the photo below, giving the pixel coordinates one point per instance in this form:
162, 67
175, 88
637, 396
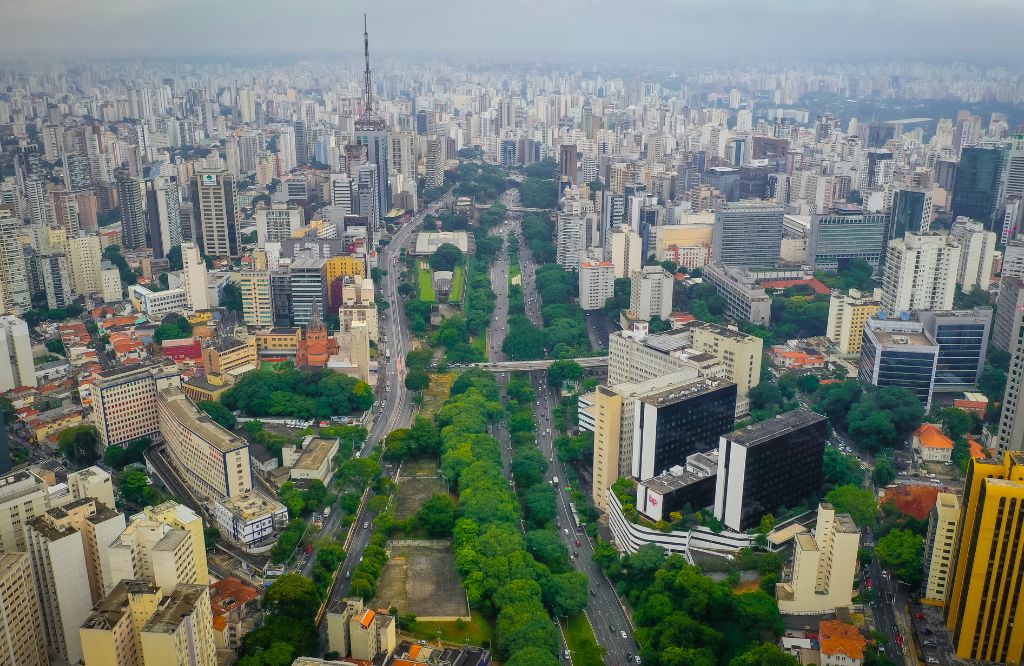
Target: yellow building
278, 341
607, 411
231, 357
181, 517
344, 265
738, 352
21, 634
181, 630
209, 387
823, 567
939, 546
110, 635
257, 309
846, 318
982, 602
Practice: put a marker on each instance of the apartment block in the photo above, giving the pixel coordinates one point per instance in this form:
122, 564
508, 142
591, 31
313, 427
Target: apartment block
180, 629
823, 566
21, 630
846, 318
357, 304
157, 303
109, 635
744, 300
16, 365
152, 551
180, 517
939, 547
651, 293
257, 307
23, 496
920, 273
977, 253
596, 283
1009, 306
124, 402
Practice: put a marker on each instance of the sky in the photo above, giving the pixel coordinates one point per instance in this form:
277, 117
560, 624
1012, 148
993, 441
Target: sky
570, 30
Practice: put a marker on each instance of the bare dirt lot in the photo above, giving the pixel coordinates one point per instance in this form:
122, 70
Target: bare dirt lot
420, 578
418, 481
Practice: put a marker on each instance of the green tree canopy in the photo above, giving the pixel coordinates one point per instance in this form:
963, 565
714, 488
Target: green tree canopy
446, 257
856, 501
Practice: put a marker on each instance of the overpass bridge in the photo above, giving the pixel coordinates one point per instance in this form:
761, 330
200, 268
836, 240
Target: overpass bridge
526, 366
514, 209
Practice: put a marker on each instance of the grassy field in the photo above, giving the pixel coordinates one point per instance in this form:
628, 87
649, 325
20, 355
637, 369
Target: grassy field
426, 285
577, 630
458, 285
437, 392
480, 342
479, 631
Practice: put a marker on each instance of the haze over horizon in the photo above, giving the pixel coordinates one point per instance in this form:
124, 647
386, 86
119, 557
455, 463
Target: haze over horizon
825, 29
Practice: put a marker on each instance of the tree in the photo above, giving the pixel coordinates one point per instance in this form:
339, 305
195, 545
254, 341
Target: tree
112, 253
293, 595
119, 457
532, 656
856, 501
437, 515
835, 400
540, 503
176, 329
232, 298
417, 380
957, 422
884, 472
808, 383
563, 370
548, 549
900, 551
567, 593
528, 466
765, 654
137, 489
219, 413
841, 470
871, 428
80, 444
524, 342
446, 258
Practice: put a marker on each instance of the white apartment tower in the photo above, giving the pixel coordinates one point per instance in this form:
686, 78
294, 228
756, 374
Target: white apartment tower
193, 273
16, 365
977, 248
920, 273
651, 293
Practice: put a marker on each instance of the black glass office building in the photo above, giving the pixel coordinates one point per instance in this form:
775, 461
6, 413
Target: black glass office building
962, 336
976, 189
898, 353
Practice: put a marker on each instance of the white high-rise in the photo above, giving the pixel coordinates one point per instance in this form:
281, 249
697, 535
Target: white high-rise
277, 222
341, 191
197, 295
651, 293
977, 248
16, 366
14, 291
920, 272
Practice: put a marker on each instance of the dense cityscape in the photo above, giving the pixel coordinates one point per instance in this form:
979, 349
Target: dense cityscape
382, 359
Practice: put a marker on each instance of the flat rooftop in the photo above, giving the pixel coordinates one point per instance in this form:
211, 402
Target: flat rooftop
252, 505
676, 394
199, 422
765, 431
174, 608
315, 452
903, 339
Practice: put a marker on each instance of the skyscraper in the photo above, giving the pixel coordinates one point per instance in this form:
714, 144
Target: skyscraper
748, 234
14, 288
920, 273
216, 206
911, 211
843, 234
371, 132
163, 210
567, 159
978, 182
197, 295
133, 211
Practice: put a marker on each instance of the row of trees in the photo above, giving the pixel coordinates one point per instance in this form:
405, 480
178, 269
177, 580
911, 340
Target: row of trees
481, 182
297, 393
876, 418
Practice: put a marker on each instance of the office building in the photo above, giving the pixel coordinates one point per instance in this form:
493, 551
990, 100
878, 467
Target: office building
939, 546
823, 567
911, 212
21, 632
672, 424
124, 402
180, 517
962, 337
920, 273
155, 304
692, 484
768, 465
624, 246
64, 546
357, 305
378, 156
368, 193
14, 285
846, 318
307, 279
977, 249
281, 220
1011, 428
216, 206
23, 496
194, 279
979, 178
843, 234
163, 209
744, 300
1009, 305
133, 212
257, 306
651, 293
748, 234
980, 600
16, 363
567, 163
897, 352
596, 283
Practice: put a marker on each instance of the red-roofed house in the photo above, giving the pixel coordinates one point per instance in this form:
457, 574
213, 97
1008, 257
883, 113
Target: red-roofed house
840, 644
233, 604
931, 444
814, 283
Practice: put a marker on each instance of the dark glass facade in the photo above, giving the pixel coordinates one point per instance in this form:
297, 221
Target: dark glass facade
961, 352
976, 189
686, 426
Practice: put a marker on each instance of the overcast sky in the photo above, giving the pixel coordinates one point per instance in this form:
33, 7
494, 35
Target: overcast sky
570, 29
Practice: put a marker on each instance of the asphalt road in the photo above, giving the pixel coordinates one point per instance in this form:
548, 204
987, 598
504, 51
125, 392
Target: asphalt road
605, 610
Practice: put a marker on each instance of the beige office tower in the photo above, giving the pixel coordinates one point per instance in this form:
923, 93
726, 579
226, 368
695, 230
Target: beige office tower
181, 630
21, 625
85, 257
939, 547
216, 208
181, 517
23, 496
68, 566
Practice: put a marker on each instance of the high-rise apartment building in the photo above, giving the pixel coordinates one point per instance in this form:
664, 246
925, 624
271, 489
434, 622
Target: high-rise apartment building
110, 281
133, 212
940, 546
257, 306
16, 365
1011, 419
181, 517
23, 496
21, 632
823, 566
911, 211
843, 234
216, 205
624, 246
280, 220
163, 208
977, 250
596, 283
980, 600
1009, 306
567, 161
378, 155
14, 285
766, 465
920, 273
152, 551
357, 305
846, 318
194, 278
85, 256
56, 276
124, 402
651, 293
748, 234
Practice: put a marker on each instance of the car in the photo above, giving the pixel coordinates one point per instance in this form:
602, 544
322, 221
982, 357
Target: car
566, 530
577, 542
636, 659
366, 524
566, 654
623, 634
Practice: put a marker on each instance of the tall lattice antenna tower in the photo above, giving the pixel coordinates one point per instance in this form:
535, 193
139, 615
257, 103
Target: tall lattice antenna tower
369, 119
